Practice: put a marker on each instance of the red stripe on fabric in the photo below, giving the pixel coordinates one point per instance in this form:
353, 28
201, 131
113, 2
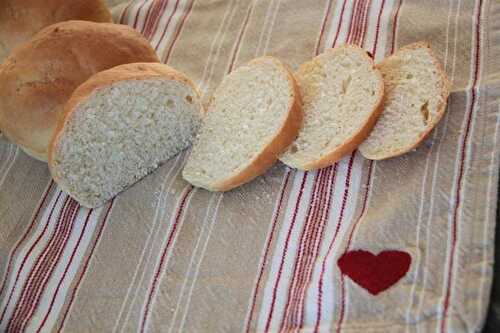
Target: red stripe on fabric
167, 25
84, 268
42, 267
163, 256
125, 13
377, 30
360, 37
33, 275
319, 222
318, 219
157, 12
147, 18
158, 17
73, 215
364, 25
301, 305
28, 254
330, 247
283, 257
26, 233
136, 19
177, 33
240, 37
359, 23
65, 271
34, 302
313, 224
394, 26
268, 247
352, 22
305, 230
339, 24
461, 168
322, 31
151, 17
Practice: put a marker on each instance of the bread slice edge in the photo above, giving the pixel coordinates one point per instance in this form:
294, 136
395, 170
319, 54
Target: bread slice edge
286, 135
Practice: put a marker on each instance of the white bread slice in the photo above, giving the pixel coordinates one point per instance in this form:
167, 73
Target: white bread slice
416, 93
252, 117
342, 95
120, 125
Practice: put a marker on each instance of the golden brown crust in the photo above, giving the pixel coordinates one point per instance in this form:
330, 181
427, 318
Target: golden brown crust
38, 78
355, 140
104, 79
20, 20
287, 134
445, 92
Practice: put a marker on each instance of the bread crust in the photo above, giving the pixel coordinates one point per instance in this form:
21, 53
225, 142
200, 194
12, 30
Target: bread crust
357, 138
104, 79
20, 20
445, 92
38, 78
285, 136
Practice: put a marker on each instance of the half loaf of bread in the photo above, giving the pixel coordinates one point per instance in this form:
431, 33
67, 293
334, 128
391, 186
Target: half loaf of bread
120, 125
38, 78
252, 117
342, 95
416, 93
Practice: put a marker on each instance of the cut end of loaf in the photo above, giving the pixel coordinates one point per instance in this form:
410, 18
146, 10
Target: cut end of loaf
248, 124
120, 133
415, 101
341, 92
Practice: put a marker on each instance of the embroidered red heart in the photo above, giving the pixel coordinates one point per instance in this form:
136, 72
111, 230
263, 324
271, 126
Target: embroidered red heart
375, 273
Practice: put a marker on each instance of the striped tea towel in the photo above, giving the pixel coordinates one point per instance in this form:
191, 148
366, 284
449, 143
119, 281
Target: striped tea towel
403, 245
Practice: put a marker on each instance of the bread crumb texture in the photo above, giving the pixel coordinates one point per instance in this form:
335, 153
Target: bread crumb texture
340, 90
120, 133
415, 100
245, 114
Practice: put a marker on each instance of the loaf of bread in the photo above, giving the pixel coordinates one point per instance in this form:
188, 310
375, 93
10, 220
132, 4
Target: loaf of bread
342, 94
120, 125
252, 117
38, 78
20, 20
416, 93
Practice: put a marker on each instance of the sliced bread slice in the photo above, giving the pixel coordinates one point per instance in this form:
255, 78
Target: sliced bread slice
342, 95
252, 117
416, 93
119, 126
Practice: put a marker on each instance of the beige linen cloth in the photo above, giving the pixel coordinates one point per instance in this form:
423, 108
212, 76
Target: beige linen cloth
166, 257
